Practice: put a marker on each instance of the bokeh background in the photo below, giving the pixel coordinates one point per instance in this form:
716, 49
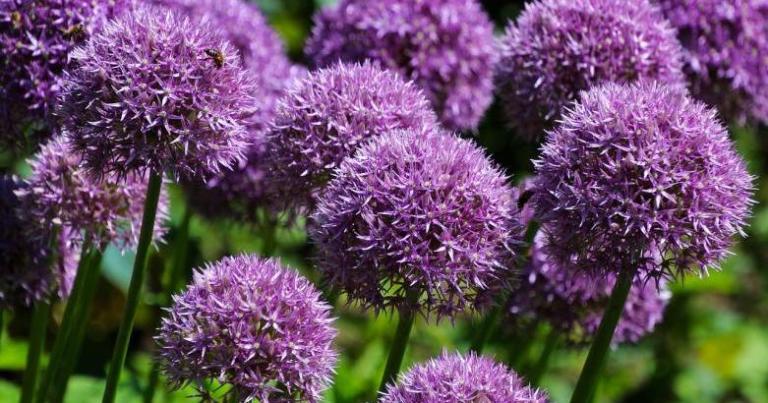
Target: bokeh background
711, 347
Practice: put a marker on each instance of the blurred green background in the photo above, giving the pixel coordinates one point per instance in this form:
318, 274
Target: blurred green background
711, 347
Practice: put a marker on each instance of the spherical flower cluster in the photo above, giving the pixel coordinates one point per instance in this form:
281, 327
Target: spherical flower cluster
60, 193
447, 47
574, 301
641, 171
328, 115
155, 91
29, 269
456, 378
416, 221
243, 26
251, 324
726, 48
557, 48
36, 38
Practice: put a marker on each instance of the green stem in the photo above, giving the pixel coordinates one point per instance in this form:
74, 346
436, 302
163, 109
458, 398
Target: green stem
396, 353
67, 323
175, 281
39, 329
541, 365
585, 387
134, 289
75, 341
487, 327
524, 342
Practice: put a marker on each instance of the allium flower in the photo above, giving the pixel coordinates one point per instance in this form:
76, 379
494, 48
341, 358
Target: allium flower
154, 91
60, 193
557, 48
36, 37
641, 170
456, 378
416, 221
29, 270
328, 115
726, 48
251, 324
446, 47
574, 301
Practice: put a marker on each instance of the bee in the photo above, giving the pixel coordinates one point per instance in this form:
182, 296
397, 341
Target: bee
217, 56
75, 32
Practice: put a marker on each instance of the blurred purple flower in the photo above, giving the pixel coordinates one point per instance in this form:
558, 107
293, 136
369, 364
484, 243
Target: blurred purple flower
573, 301
327, 116
456, 378
641, 170
251, 324
446, 47
30, 270
557, 48
36, 38
155, 91
421, 221
60, 193
726, 48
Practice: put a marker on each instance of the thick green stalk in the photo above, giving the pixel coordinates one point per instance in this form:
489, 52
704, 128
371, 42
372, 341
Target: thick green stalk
541, 365
39, 329
134, 289
585, 387
75, 340
487, 327
68, 323
396, 353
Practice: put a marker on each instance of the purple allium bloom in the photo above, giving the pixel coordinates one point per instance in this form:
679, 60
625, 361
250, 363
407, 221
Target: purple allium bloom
573, 301
420, 221
456, 378
445, 46
60, 193
641, 169
29, 270
328, 115
36, 38
155, 91
557, 48
254, 325
726, 48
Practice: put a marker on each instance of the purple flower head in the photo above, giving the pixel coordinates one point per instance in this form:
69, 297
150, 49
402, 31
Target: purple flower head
29, 269
251, 324
457, 378
328, 115
641, 171
420, 221
60, 193
36, 38
260, 48
574, 301
557, 48
153, 91
445, 46
726, 48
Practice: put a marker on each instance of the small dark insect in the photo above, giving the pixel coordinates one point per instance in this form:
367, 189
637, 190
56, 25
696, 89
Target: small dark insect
75, 32
217, 56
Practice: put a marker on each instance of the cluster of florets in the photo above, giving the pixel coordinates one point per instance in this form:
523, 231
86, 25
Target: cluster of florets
416, 221
60, 193
573, 301
447, 47
455, 378
36, 38
558, 48
153, 91
33, 266
253, 325
725, 50
642, 172
327, 116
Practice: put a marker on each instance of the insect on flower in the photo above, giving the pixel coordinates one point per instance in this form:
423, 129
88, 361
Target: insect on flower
217, 56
